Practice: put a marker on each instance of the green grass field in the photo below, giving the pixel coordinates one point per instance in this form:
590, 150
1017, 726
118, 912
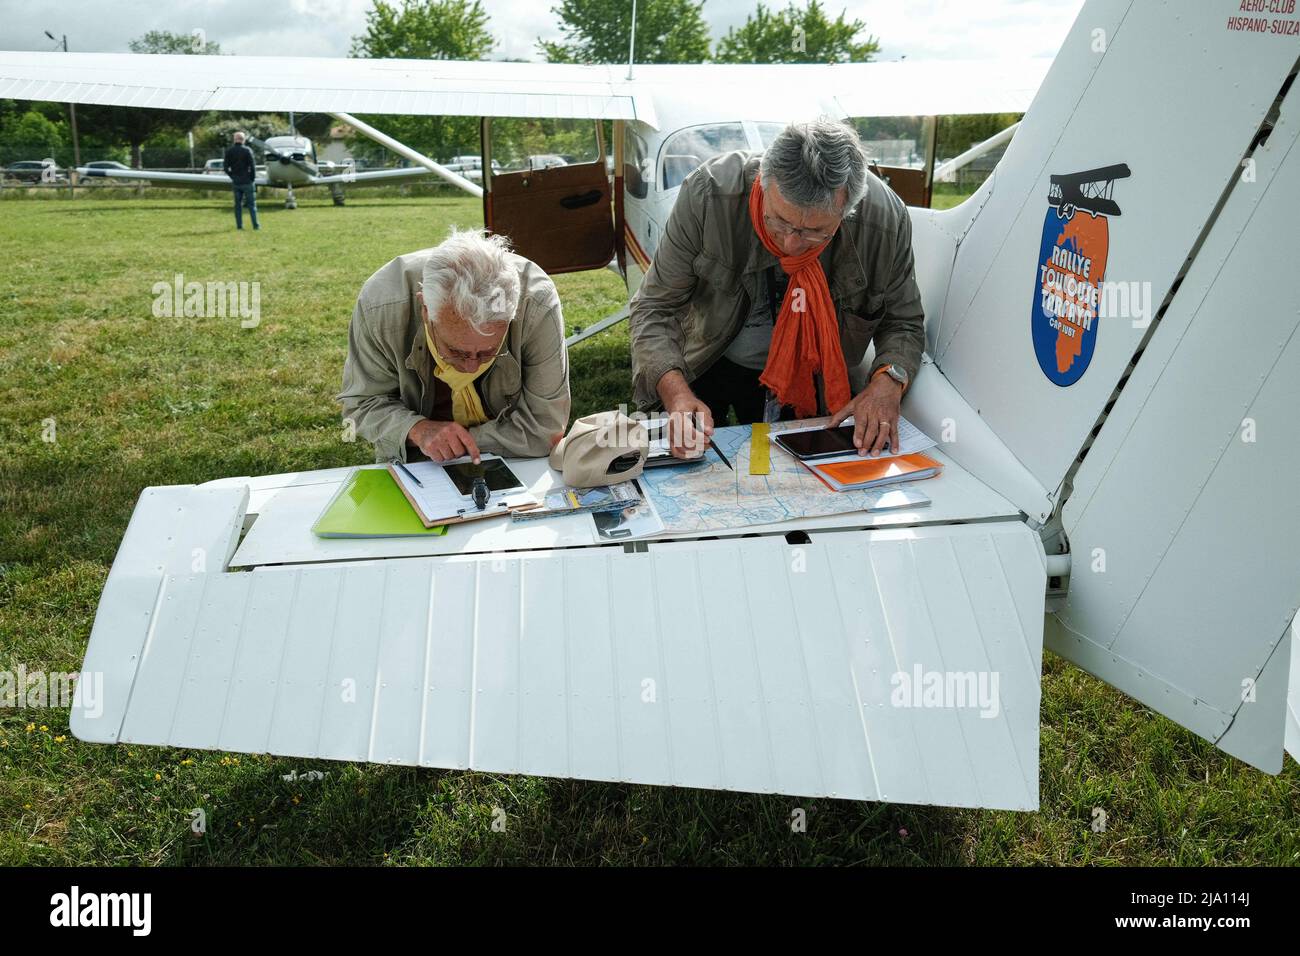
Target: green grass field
133, 400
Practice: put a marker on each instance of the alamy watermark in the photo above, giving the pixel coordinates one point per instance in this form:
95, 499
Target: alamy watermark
1069, 294
210, 300
946, 689
75, 908
22, 690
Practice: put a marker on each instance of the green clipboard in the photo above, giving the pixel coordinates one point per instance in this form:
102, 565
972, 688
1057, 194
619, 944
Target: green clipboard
370, 505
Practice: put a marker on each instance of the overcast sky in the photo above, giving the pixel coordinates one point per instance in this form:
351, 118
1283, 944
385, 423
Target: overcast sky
920, 29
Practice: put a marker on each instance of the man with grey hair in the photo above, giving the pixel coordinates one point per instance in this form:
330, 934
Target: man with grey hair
238, 163
774, 274
457, 350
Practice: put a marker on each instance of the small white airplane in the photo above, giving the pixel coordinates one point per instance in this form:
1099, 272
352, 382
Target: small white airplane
1112, 372
290, 161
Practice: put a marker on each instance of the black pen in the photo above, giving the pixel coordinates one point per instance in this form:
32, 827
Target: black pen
407, 472
712, 444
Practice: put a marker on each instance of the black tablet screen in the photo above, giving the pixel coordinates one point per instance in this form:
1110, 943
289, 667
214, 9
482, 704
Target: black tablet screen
497, 472
818, 443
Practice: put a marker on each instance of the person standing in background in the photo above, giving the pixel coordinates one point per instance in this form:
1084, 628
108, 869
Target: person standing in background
241, 167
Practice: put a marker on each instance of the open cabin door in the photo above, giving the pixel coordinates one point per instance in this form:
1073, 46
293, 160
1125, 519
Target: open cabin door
546, 186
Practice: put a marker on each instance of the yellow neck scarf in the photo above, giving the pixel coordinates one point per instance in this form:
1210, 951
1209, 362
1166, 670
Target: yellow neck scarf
466, 406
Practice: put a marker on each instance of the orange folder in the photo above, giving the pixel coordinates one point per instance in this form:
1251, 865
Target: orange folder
869, 472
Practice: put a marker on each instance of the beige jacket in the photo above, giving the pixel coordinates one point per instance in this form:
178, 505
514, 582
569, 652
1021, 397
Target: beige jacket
709, 265
388, 375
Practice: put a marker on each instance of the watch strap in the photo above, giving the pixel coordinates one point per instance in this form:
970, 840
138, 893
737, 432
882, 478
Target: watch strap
885, 368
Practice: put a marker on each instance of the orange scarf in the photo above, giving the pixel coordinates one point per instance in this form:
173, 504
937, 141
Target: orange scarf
800, 347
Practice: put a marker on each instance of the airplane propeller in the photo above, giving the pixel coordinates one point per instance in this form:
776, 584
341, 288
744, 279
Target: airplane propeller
271, 151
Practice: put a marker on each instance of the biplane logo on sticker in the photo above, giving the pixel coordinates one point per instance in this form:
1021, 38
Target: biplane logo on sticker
1071, 270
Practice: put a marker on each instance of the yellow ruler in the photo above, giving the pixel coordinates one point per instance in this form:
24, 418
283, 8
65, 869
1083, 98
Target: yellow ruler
760, 452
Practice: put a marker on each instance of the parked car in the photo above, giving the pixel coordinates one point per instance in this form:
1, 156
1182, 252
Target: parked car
36, 171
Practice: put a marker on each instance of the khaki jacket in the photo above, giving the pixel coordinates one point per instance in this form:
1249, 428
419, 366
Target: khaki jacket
709, 266
388, 375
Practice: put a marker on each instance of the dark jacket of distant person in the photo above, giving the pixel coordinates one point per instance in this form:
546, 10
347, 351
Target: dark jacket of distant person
239, 164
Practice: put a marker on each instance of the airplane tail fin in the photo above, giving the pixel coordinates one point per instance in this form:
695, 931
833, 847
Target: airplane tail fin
1116, 305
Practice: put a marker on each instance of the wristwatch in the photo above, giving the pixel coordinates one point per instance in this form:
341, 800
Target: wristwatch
897, 373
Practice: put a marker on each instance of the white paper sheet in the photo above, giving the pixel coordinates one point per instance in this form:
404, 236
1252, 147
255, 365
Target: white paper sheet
439, 499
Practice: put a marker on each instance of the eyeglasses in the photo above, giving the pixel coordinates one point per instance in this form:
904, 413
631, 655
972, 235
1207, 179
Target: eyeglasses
457, 355
779, 227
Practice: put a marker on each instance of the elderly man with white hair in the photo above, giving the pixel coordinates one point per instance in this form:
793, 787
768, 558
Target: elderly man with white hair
775, 272
457, 350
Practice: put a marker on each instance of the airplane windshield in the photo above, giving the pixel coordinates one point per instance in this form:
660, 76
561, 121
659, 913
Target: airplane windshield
768, 132
688, 148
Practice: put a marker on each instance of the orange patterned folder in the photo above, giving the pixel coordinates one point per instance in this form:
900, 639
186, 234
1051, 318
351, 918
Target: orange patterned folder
870, 472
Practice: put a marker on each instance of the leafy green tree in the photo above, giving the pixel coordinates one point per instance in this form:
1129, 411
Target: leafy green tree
164, 41
425, 30
598, 31
217, 130
30, 134
795, 35
959, 133
14, 147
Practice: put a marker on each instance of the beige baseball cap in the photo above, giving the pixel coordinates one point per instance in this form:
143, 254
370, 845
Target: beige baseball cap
601, 449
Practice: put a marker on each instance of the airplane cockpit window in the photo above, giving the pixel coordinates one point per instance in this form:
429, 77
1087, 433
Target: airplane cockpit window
519, 145
767, 132
688, 148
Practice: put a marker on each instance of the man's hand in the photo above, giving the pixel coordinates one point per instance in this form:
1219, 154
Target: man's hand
875, 415
443, 441
685, 439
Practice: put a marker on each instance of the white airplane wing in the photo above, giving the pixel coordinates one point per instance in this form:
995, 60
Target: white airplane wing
464, 88
156, 176
201, 180
594, 662
320, 84
369, 176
